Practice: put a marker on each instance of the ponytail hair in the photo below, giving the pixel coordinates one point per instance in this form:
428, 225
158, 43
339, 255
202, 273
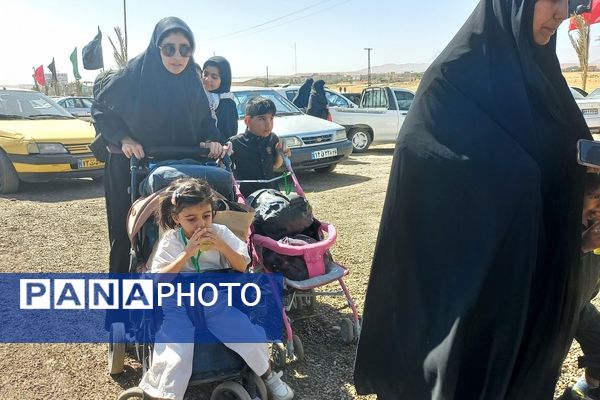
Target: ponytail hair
182, 193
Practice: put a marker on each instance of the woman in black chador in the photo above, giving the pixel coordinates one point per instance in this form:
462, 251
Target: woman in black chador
474, 288
301, 99
317, 103
156, 100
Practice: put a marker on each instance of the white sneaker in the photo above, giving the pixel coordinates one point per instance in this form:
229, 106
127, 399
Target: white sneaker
279, 389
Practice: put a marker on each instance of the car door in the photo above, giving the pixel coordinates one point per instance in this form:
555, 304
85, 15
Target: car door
404, 98
382, 120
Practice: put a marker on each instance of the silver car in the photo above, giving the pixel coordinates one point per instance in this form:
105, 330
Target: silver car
78, 106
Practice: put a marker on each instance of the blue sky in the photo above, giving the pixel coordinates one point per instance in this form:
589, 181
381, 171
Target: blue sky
329, 35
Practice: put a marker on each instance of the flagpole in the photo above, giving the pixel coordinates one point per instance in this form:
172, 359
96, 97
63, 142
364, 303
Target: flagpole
125, 26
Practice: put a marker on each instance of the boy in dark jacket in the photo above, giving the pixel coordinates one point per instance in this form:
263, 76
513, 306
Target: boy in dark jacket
256, 152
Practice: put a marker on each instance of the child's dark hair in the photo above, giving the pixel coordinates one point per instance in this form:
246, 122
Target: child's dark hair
180, 194
260, 106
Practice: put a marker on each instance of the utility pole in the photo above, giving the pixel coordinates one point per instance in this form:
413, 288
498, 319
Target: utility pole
125, 27
267, 85
368, 49
295, 60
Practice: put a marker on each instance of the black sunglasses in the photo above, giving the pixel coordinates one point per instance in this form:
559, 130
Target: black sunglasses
169, 49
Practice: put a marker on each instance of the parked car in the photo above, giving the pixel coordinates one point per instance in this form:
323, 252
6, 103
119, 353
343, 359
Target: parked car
579, 90
594, 93
378, 118
334, 99
80, 107
590, 107
315, 143
40, 140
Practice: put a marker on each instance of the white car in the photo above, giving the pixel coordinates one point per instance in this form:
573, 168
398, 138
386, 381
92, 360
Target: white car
334, 99
315, 143
378, 119
80, 107
590, 107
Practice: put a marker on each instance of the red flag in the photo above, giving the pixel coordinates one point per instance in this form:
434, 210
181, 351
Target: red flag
39, 75
590, 18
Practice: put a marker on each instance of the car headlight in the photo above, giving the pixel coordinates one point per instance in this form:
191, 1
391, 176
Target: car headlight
46, 148
340, 135
292, 142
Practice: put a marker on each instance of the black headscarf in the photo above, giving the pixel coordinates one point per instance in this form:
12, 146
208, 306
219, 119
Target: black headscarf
301, 99
226, 112
153, 106
317, 103
475, 287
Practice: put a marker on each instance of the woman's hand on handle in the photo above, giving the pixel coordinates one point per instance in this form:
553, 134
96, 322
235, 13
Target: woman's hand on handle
217, 150
130, 148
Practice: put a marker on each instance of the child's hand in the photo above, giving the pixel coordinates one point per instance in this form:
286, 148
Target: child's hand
284, 149
196, 242
213, 241
590, 239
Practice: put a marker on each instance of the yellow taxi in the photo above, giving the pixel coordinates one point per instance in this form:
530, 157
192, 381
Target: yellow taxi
40, 141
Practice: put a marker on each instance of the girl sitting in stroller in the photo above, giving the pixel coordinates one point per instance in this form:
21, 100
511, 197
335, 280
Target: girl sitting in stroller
193, 243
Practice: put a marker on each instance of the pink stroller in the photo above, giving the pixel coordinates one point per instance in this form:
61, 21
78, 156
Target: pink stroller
300, 295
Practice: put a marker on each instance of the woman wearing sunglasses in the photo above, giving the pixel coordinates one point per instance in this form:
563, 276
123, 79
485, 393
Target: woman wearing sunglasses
156, 100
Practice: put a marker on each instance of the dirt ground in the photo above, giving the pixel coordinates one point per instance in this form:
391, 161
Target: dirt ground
60, 227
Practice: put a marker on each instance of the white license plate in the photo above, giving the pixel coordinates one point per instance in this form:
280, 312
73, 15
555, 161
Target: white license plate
323, 153
590, 111
89, 163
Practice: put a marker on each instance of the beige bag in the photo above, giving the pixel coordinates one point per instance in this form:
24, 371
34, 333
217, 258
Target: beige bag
236, 216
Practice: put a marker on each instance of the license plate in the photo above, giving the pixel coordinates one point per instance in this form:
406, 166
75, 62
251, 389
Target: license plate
324, 153
590, 111
89, 163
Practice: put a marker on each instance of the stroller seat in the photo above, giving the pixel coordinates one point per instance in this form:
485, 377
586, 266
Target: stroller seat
333, 272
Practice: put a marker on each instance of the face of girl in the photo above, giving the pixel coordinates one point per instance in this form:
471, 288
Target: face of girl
194, 217
547, 16
174, 61
211, 78
591, 207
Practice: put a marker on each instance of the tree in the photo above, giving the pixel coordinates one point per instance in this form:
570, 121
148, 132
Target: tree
120, 54
581, 44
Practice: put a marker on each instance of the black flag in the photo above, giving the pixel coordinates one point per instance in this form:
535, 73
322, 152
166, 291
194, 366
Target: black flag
92, 53
52, 69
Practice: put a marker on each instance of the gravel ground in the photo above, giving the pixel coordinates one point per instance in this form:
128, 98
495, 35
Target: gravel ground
60, 227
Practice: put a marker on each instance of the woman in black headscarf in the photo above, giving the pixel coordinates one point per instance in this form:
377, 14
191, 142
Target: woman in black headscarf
317, 103
156, 100
474, 287
216, 77
301, 99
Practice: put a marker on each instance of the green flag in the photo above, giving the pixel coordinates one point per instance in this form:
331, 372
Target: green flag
74, 62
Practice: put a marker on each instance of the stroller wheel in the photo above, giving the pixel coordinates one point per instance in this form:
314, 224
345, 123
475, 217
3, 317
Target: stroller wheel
116, 348
298, 348
133, 393
347, 331
259, 385
230, 391
279, 355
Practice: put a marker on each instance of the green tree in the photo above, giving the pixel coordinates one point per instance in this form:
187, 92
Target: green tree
120, 53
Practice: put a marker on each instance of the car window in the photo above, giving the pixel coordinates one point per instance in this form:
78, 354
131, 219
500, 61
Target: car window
335, 100
374, 98
29, 104
282, 105
290, 94
68, 103
404, 99
87, 103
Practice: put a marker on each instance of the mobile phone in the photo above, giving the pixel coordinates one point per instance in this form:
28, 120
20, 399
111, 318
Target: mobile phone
580, 6
588, 153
